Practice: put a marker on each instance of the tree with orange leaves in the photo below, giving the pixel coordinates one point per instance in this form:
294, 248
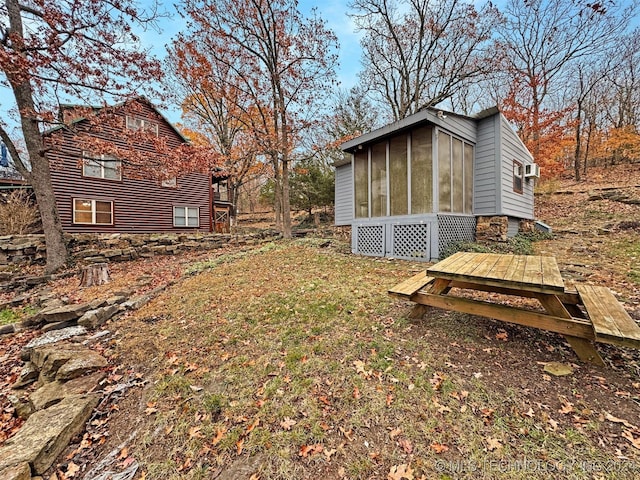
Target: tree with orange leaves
280, 60
541, 40
78, 49
216, 113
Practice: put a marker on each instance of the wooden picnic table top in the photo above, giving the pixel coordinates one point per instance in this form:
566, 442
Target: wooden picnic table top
519, 272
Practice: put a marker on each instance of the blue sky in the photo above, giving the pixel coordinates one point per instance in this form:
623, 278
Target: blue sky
333, 11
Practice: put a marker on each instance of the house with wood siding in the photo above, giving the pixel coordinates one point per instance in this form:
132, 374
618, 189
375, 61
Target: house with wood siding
411, 188
96, 192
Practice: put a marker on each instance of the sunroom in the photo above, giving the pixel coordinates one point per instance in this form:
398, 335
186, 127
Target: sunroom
413, 187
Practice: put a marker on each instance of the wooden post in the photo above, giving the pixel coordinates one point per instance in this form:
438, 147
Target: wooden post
96, 274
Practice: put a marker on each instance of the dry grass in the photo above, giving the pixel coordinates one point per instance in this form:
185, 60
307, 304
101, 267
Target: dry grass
292, 362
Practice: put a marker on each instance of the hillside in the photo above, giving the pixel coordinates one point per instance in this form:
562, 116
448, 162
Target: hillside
289, 361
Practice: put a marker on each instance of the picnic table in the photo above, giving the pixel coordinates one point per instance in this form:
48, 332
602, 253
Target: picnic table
583, 316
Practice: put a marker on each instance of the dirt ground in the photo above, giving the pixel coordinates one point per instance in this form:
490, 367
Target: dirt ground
485, 394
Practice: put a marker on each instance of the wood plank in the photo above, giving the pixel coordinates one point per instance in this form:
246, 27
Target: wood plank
444, 264
564, 326
408, 287
611, 322
516, 272
533, 270
551, 273
441, 285
485, 268
502, 266
470, 263
553, 305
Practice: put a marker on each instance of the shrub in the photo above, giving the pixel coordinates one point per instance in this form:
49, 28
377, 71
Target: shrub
18, 215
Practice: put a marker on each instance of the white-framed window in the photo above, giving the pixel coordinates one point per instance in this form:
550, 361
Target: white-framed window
134, 123
186, 216
169, 182
517, 176
92, 212
101, 166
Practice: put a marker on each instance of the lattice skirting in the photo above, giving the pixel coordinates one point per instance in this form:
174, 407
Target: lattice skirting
411, 241
370, 240
455, 228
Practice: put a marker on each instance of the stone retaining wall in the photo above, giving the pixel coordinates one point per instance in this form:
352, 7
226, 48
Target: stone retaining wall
93, 248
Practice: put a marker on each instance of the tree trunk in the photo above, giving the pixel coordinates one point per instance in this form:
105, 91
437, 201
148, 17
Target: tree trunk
40, 175
96, 274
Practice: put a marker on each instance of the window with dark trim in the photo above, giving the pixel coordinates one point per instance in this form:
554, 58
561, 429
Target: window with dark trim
518, 175
92, 212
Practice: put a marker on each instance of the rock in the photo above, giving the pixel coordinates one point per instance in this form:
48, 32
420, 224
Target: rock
28, 375
47, 433
49, 360
7, 329
558, 369
243, 468
22, 471
64, 313
22, 405
81, 363
52, 337
48, 327
54, 392
116, 299
95, 318
136, 302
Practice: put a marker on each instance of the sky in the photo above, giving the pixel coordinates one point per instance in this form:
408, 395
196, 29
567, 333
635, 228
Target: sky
334, 12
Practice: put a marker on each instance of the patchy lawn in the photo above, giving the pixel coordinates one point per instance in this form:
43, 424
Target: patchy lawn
291, 362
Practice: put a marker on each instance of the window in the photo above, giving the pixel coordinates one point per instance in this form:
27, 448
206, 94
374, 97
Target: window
455, 174
398, 175
361, 176
134, 123
421, 170
169, 182
92, 212
186, 216
517, 176
102, 166
379, 179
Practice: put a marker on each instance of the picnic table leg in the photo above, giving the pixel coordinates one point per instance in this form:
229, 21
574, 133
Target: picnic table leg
583, 348
440, 286
418, 311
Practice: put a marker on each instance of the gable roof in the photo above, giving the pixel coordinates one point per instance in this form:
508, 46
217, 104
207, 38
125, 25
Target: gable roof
429, 114
97, 109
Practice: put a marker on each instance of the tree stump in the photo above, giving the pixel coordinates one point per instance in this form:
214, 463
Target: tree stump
96, 274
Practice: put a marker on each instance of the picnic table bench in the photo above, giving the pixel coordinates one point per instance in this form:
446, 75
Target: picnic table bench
584, 316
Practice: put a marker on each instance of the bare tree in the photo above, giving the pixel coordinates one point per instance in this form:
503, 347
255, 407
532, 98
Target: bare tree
543, 38
417, 53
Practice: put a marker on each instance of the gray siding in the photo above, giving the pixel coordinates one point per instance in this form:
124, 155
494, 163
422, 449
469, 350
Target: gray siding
462, 127
486, 166
344, 195
519, 205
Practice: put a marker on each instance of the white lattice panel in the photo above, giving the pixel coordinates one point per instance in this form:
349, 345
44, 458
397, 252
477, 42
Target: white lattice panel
411, 241
370, 240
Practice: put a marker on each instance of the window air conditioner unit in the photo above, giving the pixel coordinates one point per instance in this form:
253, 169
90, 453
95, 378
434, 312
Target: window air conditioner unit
532, 170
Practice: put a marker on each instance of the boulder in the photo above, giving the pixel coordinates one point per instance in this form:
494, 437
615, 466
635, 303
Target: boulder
54, 392
22, 405
22, 471
64, 313
50, 338
48, 327
28, 375
95, 318
47, 433
83, 362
